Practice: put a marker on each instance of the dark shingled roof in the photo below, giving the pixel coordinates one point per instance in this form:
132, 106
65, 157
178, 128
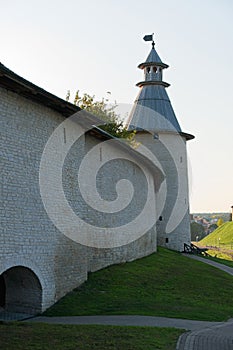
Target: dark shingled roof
11, 81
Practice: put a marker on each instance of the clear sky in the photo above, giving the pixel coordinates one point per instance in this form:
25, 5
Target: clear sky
95, 46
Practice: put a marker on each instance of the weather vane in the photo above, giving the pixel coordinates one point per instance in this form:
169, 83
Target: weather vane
150, 38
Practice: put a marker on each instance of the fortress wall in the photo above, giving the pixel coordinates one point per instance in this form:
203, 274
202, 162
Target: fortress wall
109, 165
28, 237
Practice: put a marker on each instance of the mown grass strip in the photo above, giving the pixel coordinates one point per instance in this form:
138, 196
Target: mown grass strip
219, 257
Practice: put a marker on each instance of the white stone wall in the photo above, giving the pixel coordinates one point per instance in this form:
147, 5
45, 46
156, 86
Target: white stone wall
114, 165
28, 237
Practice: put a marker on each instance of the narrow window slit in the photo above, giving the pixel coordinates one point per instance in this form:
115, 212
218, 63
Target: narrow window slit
101, 154
64, 131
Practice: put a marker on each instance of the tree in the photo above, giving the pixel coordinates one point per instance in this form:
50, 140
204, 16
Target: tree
197, 231
114, 125
220, 222
213, 227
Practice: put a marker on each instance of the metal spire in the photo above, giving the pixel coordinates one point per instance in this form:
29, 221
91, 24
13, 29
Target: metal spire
150, 38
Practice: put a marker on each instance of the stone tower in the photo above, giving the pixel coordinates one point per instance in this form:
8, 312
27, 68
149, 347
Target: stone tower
153, 118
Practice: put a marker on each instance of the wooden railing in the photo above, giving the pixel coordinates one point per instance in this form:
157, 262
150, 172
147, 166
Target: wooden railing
193, 249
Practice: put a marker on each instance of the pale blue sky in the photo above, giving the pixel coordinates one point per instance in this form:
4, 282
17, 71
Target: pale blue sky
95, 47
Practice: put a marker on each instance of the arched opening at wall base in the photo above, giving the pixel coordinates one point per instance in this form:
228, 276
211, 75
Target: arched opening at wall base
21, 291
2, 292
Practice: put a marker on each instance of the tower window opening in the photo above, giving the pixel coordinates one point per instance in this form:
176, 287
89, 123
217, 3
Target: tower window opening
154, 69
148, 69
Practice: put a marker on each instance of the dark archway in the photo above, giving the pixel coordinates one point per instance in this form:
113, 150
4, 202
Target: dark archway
23, 291
2, 291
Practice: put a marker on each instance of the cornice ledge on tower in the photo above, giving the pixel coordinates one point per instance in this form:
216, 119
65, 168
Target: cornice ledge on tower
146, 64
152, 82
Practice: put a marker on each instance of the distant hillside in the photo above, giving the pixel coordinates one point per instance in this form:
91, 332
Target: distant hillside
224, 232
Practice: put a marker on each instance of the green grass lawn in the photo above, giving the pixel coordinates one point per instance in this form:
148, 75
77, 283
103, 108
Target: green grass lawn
29, 336
224, 232
162, 284
222, 240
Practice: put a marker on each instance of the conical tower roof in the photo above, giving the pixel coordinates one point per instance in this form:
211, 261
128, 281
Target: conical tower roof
153, 57
152, 110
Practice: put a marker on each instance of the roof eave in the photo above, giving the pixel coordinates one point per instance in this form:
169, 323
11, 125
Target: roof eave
146, 64
152, 82
13, 82
187, 136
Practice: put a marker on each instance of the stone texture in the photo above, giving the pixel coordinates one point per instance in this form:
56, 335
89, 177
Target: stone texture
173, 226
36, 259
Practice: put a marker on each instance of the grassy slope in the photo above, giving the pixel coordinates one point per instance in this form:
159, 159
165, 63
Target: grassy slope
163, 284
224, 232
46, 337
